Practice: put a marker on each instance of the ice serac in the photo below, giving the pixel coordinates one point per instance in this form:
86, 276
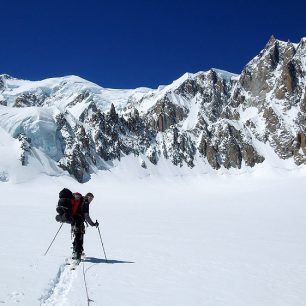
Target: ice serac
213, 117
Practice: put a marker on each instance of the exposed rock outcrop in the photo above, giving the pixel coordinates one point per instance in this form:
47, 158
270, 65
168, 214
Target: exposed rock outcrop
216, 116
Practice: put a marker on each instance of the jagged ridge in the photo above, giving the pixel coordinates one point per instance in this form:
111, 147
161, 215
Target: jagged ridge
215, 116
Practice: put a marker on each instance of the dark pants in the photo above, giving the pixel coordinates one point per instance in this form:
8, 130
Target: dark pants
78, 230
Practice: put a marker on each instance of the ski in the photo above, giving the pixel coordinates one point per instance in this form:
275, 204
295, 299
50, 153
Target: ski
75, 263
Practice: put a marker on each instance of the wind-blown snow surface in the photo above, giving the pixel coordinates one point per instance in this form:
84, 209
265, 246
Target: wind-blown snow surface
194, 240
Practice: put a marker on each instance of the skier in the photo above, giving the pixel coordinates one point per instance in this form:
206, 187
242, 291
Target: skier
78, 227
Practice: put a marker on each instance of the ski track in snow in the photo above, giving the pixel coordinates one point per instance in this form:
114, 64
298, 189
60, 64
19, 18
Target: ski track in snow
59, 287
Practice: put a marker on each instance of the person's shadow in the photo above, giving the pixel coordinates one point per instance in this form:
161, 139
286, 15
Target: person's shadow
95, 260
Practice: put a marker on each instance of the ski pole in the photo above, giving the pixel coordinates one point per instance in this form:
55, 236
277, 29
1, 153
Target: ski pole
53, 239
102, 243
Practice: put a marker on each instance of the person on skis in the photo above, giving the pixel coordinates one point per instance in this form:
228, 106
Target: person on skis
81, 215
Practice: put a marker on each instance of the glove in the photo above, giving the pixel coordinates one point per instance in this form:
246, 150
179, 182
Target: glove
96, 224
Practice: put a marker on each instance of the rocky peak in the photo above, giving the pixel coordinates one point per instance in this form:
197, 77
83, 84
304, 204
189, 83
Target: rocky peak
188, 89
2, 83
255, 76
112, 113
272, 40
222, 119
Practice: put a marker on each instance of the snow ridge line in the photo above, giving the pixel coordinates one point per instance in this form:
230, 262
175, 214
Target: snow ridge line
59, 287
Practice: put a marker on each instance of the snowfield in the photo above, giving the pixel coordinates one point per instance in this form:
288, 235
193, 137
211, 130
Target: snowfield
207, 239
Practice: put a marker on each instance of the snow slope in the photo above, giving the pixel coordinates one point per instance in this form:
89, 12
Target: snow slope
208, 240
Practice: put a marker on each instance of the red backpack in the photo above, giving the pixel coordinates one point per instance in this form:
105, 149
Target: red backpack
75, 204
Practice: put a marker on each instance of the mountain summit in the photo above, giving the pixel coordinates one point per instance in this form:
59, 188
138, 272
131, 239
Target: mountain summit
214, 118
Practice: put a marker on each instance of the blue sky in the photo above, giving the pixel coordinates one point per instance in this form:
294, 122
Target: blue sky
128, 44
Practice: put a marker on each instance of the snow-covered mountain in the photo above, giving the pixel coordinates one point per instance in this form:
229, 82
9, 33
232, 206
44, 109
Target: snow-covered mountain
215, 118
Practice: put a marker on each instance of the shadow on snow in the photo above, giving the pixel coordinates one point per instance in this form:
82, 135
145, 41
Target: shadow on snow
109, 261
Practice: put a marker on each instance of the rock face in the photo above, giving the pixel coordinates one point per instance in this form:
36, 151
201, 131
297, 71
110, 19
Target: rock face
217, 117
25, 146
